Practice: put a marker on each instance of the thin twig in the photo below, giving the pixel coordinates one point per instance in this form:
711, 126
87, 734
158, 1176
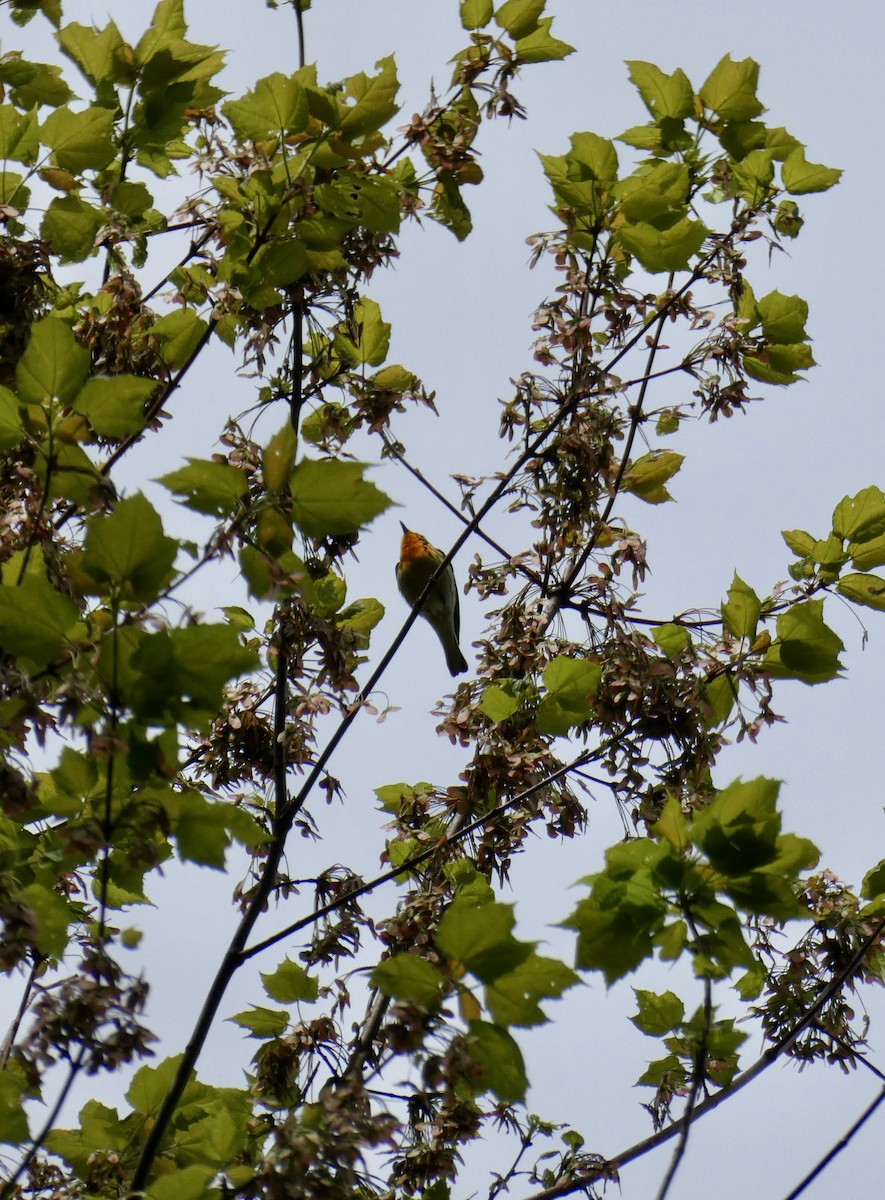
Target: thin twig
423, 856
15, 1023
838, 1148
580, 1181
698, 1075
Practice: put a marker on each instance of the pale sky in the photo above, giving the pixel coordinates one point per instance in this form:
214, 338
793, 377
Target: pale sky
462, 321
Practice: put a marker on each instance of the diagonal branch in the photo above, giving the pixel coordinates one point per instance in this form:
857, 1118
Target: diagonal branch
580, 1181
838, 1148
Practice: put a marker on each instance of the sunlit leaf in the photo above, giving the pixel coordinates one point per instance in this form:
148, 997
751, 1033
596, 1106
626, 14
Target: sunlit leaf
330, 497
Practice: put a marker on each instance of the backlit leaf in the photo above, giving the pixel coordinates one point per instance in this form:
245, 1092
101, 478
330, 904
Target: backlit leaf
801, 177
330, 497
730, 89
114, 404
868, 590
502, 1069
214, 488
54, 364
663, 95
290, 984
410, 978
741, 610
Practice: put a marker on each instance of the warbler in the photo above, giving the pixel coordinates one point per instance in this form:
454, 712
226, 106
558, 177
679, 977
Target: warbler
417, 562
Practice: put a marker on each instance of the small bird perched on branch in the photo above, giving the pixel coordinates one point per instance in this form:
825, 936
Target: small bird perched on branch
417, 562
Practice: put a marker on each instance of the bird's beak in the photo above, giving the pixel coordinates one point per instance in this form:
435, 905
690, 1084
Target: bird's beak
404, 529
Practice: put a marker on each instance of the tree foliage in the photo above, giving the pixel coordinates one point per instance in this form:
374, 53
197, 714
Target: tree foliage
137, 732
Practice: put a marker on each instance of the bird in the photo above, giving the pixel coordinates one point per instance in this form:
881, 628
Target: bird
418, 561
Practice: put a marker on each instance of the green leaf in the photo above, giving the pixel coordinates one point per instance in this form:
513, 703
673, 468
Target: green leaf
801, 543
591, 159
658, 1014
671, 639
874, 882
519, 18
330, 497
801, 177
646, 477
741, 610
131, 199
100, 1126
11, 428
668, 1069
372, 340
34, 83
149, 1087
663, 95
410, 978
659, 250
13, 193
214, 488
18, 134
54, 364
738, 831
101, 54
860, 518
740, 138
806, 648
479, 937
448, 208
373, 203
868, 590
185, 1183
783, 318
277, 106
280, 263
51, 915
753, 177
730, 89
393, 795
542, 46
512, 999
13, 1122
868, 554
201, 830
502, 1070
277, 459
70, 226
167, 26
375, 101
291, 984
778, 364
654, 192
128, 549
180, 333
830, 557
180, 674
270, 576
262, 1022
617, 924
719, 698
476, 14
569, 684
361, 617
70, 474
35, 620
80, 141
499, 702
114, 404
781, 142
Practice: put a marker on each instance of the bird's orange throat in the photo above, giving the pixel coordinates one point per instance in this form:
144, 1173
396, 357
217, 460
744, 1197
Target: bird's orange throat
413, 546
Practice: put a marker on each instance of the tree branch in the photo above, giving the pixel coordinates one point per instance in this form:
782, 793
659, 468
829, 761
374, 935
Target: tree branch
581, 1180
